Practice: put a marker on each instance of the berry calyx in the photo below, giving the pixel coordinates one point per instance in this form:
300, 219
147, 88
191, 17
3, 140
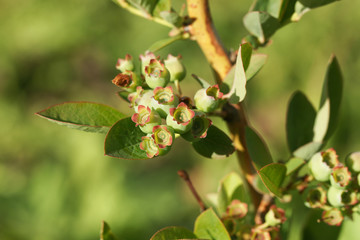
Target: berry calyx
125, 64
199, 127
146, 119
163, 135
180, 118
156, 75
149, 146
145, 60
163, 100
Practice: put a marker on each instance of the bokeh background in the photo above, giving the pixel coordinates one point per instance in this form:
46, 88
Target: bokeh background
56, 183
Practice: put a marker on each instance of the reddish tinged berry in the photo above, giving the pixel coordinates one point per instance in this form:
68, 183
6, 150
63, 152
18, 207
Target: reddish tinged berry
146, 119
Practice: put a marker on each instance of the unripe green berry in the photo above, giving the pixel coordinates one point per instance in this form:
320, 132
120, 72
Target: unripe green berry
333, 217
149, 146
199, 127
353, 162
145, 99
156, 75
145, 60
163, 100
316, 198
207, 100
164, 151
275, 216
125, 64
340, 197
321, 164
146, 119
163, 136
236, 209
180, 118
334, 196
176, 68
340, 176
135, 97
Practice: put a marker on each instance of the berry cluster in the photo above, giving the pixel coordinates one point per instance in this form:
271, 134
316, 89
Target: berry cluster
337, 185
236, 213
159, 112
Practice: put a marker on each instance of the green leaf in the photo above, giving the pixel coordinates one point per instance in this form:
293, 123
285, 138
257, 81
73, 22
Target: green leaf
286, 11
300, 121
161, 6
163, 43
322, 122
105, 232
172, 17
270, 6
238, 88
246, 51
299, 217
202, 82
308, 150
85, 116
146, 6
123, 141
293, 164
279, 9
327, 117
261, 24
124, 95
228, 81
259, 185
173, 233
275, 8
257, 61
273, 176
300, 10
254, 41
209, 226
231, 187
216, 144
315, 3
257, 148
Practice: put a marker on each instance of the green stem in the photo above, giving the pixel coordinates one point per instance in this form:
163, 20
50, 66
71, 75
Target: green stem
177, 86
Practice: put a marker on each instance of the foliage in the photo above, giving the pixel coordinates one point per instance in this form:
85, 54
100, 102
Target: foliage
297, 148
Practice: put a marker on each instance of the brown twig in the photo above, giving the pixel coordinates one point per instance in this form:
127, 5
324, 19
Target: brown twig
203, 31
184, 175
263, 208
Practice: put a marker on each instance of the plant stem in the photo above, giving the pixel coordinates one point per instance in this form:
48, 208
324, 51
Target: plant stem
263, 208
203, 31
184, 175
177, 86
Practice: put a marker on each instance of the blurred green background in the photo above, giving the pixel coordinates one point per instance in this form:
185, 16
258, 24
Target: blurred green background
56, 183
